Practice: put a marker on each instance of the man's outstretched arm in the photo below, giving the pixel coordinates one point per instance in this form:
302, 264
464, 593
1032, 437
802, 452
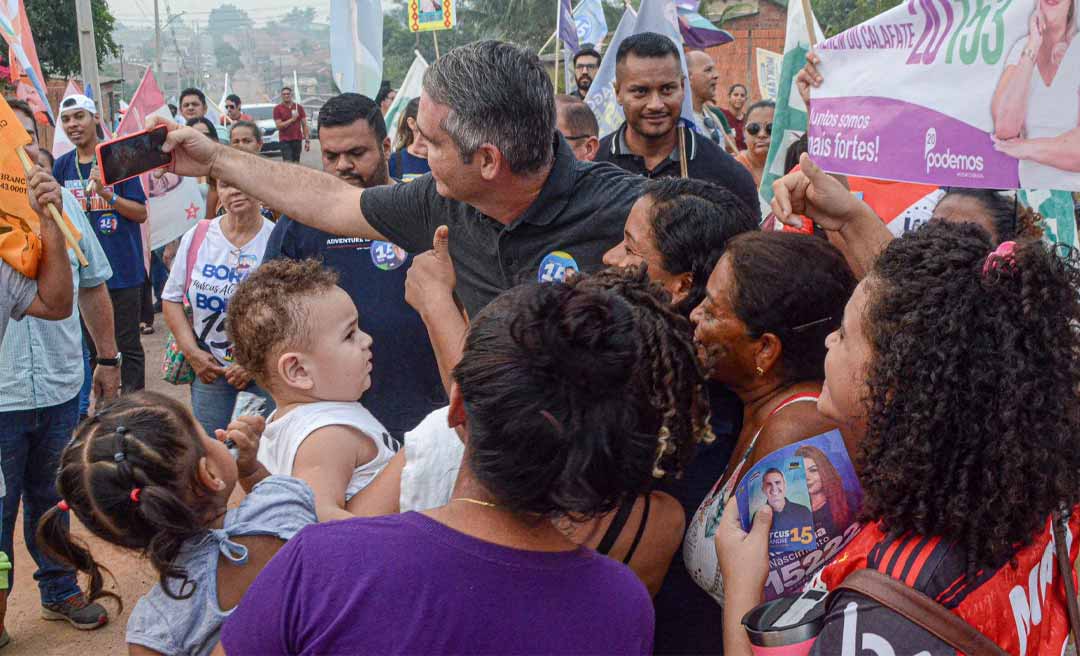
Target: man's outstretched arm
310, 197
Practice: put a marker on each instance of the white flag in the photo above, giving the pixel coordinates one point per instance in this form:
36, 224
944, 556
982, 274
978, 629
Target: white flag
356, 48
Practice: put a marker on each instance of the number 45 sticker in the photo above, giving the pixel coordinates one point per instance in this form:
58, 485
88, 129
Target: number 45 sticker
555, 265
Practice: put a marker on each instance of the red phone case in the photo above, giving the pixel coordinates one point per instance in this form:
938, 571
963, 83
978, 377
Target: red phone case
110, 183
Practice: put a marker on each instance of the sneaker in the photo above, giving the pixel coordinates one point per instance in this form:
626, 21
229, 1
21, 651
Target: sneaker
80, 613
146, 328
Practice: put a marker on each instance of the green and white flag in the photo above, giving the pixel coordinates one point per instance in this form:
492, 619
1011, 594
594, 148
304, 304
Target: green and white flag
789, 123
1058, 212
410, 88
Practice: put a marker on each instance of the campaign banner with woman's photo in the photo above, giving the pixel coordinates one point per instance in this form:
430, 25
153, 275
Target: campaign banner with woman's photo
815, 497
970, 93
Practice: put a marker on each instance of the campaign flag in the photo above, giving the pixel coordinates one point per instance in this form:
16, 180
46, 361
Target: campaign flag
567, 27
409, 89
590, 22
225, 91
20, 246
601, 96
429, 15
660, 16
698, 31
174, 204
356, 45
769, 64
891, 105
789, 121
25, 69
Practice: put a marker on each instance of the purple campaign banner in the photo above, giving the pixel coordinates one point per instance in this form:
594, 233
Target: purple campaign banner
891, 139
972, 93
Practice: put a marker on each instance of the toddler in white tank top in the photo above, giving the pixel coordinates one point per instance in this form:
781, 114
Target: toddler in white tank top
297, 332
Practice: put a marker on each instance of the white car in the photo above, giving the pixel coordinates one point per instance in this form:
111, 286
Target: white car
263, 115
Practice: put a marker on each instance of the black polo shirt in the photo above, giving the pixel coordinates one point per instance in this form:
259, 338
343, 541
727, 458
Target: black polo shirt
707, 161
579, 214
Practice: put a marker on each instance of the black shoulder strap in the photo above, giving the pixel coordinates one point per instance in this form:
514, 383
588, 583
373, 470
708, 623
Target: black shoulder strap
616, 526
640, 530
921, 610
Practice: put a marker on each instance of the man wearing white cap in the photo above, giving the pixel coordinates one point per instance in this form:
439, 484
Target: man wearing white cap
114, 212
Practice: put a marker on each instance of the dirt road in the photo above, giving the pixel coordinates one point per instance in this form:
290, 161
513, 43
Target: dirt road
32, 635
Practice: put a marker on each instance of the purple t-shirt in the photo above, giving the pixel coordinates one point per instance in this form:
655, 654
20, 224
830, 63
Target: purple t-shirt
406, 584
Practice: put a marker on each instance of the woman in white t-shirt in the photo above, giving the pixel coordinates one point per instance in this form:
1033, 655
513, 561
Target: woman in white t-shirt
1036, 105
226, 250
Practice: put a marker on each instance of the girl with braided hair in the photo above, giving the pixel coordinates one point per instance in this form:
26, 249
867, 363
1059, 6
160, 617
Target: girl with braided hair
956, 365
143, 475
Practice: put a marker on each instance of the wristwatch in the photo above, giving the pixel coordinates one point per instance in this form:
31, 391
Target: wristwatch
110, 362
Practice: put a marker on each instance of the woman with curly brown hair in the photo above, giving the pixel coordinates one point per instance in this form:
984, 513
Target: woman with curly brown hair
957, 365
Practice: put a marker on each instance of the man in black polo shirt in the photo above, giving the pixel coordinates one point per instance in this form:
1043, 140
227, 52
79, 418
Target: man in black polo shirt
518, 205
650, 86
405, 381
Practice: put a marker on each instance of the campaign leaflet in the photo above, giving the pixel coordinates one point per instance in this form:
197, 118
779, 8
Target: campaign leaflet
782, 485
815, 496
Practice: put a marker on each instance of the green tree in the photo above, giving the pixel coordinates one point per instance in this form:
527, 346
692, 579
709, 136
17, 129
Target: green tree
228, 19
228, 58
299, 19
54, 28
835, 16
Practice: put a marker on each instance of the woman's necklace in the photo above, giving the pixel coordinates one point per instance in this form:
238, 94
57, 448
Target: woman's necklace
486, 504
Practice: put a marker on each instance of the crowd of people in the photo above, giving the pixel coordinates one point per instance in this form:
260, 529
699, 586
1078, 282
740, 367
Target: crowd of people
535, 372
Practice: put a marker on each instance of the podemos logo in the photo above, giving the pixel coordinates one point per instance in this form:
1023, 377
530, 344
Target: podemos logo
965, 166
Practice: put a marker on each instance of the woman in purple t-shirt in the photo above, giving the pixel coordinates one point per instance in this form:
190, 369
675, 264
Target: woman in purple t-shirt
546, 399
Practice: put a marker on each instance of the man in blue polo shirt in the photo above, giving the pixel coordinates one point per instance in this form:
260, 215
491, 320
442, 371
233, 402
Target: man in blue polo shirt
115, 213
405, 380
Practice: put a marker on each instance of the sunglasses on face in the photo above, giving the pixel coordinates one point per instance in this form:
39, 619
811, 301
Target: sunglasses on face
230, 106
753, 128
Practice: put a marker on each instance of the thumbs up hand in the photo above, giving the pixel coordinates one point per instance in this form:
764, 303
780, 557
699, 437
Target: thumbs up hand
812, 192
429, 285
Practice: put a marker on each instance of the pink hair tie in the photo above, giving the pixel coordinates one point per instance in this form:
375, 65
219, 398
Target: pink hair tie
63, 506
1004, 254
135, 494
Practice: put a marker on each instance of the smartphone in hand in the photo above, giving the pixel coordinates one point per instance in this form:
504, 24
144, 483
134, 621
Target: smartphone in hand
132, 155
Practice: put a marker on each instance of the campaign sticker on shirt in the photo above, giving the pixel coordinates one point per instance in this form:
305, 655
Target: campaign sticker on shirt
387, 256
245, 263
555, 265
107, 224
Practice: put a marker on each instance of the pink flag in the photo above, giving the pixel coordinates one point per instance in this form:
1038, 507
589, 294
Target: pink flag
174, 204
25, 69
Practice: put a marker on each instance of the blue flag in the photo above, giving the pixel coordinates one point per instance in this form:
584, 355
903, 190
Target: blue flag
567, 27
590, 21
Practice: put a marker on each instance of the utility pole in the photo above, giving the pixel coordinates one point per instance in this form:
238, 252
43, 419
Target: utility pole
198, 59
157, 42
84, 18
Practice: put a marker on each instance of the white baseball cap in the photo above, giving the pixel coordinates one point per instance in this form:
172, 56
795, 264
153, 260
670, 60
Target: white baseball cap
77, 101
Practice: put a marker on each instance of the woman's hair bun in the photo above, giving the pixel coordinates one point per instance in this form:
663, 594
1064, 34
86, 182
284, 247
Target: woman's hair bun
589, 337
